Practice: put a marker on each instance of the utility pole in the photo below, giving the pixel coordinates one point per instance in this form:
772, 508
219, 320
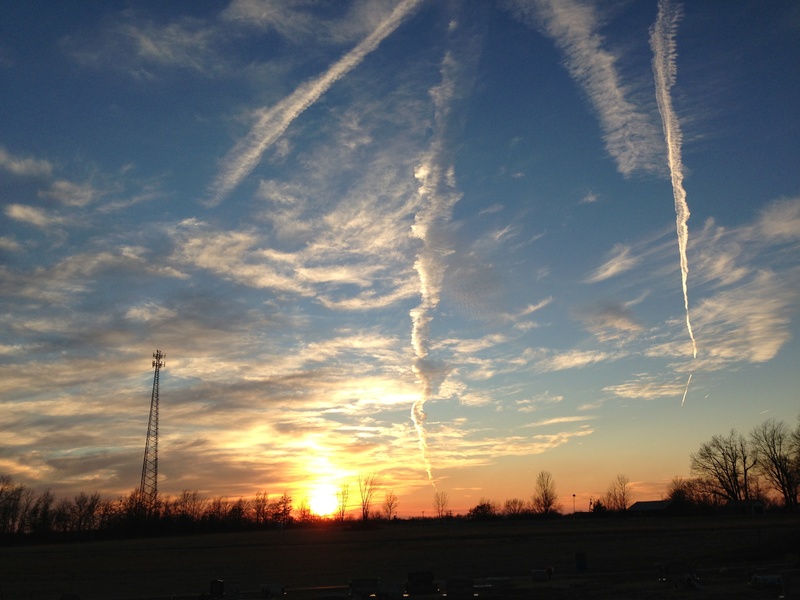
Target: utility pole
148, 489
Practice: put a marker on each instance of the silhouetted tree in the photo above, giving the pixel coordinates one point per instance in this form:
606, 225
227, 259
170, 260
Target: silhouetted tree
303, 511
440, 501
367, 486
390, 504
618, 496
485, 509
190, 506
342, 500
776, 459
11, 503
545, 500
83, 512
261, 508
281, 510
598, 506
238, 513
725, 463
514, 507
40, 517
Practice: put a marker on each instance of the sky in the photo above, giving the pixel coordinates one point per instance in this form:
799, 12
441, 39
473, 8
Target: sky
450, 243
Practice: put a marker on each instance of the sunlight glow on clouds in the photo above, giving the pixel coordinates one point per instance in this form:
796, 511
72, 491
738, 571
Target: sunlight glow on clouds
363, 228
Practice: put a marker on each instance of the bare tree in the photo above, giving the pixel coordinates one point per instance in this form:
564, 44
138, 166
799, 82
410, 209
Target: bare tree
514, 507
304, 514
440, 502
390, 503
342, 499
367, 486
190, 505
11, 502
84, 511
774, 451
261, 507
725, 462
618, 496
545, 500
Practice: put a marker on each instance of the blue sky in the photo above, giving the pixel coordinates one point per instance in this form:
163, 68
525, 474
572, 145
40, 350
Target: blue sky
452, 243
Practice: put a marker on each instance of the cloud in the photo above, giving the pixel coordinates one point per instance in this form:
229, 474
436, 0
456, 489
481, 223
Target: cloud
780, 221
750, 322
298, 23
630, 136
33, 215
537, 402
26, 167
574, 359
609, 321
647, 387
619, 261
71, 194
141, 48
272, 122
562, 420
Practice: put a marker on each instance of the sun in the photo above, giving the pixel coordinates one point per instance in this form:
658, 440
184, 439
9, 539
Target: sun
323, 500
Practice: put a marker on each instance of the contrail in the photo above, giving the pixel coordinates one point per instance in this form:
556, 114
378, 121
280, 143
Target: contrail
247, 153
630, 137
662, 41
438, 195
686, 391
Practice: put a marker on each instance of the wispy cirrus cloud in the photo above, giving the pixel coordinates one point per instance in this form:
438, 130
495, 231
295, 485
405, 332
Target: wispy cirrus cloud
620, 260
71, 194
25, 167
298, 23
574, 359
780, 221
647, 387
144, 48
630, 136
33, 215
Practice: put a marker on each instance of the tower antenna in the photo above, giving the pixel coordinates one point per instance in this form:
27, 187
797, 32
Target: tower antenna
148, 489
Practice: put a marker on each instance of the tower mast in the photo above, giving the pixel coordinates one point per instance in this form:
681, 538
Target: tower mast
148, 489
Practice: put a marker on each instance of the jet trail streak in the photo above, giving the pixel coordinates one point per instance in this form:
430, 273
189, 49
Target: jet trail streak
247, 153
662, 41
686, 390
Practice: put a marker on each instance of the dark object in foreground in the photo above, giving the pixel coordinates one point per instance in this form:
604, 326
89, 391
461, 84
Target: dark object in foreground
420, 583
679, 574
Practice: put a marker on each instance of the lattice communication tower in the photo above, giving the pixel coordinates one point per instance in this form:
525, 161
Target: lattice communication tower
148, 490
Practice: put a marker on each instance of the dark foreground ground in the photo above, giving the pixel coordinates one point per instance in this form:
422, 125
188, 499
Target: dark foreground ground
617, 558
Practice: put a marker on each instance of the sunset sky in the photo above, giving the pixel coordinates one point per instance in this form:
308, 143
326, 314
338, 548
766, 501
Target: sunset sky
451, 243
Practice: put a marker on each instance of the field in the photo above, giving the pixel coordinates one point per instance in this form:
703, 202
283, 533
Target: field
620, 559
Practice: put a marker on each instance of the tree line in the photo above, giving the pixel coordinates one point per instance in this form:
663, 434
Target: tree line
728, 468
733, 468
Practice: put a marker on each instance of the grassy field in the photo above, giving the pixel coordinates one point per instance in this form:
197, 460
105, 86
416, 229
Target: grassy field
621, 557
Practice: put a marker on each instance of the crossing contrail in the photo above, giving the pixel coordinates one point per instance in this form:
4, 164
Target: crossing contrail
246, 154
662, 41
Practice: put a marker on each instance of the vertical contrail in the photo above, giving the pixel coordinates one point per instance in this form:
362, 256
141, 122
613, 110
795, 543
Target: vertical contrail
438, 195
246, 154
662, 41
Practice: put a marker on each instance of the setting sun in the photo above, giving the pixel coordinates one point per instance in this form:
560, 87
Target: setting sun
323, 500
